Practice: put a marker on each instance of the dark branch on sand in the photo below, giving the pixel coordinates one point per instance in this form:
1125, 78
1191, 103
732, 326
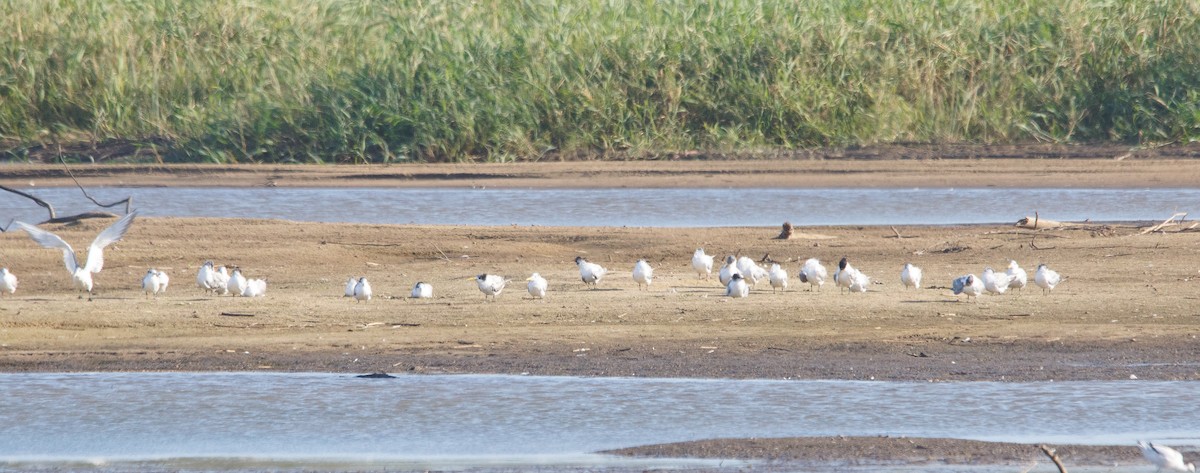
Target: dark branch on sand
36, 200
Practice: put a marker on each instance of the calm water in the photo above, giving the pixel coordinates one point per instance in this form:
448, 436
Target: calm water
627, 207
272, 420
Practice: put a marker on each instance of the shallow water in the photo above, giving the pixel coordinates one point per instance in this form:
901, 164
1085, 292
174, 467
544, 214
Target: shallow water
256, 421
625, 207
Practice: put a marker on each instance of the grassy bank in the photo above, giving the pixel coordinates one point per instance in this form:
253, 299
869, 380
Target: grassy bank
293, 80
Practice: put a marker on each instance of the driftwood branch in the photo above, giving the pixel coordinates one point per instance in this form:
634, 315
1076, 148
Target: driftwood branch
36, 200
1054, 458
128, 201
1167, 222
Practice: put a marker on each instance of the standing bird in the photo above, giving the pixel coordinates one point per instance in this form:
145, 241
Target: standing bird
813, 273
82, 275
490, 285
1017, 275
154, 282
362, 290
206, 278
751, 271
1164, 457
537, 286
1046, 278
859, 282
422, 290
590, 273
779, 277
643, 274
844, 276
236, 282
350, 283
255, 288
737, 286
8, 281
969, 285
728, 270
995, 283
221, 281
702, 263
910, 276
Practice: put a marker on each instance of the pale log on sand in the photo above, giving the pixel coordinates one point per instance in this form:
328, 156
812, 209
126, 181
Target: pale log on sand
1168, 222
1053, 457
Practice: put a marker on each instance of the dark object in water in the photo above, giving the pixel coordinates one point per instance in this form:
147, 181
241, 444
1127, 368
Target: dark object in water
377, 374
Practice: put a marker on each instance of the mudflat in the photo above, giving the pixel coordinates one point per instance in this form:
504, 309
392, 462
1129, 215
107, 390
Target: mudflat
1127, 307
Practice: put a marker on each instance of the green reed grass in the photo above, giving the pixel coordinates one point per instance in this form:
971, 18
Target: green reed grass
497, 80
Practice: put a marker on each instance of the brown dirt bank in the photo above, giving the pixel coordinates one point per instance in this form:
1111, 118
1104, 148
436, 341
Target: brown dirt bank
1128, 306
877, 166
891, 451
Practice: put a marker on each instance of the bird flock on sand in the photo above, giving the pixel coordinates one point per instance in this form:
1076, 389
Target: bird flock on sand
738, 275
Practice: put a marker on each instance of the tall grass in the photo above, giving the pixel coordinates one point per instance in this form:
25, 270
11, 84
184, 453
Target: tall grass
371, 80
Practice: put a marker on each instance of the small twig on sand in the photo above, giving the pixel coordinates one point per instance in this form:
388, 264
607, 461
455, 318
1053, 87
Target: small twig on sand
444, 257
1054, 458
236, 314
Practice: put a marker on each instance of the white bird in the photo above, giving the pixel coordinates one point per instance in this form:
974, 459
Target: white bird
490, 285
995, 283
8, 281
910, 276
844, 276
221, 281
859, 282
362, 290
813, 273
255, 288
969, 285
751, 270
779, 277
728, 270
537, 286
590, 273
737, 286
82, 275
350, 283
1164, 457
206, 278
702, 263
643, 274
422, 290
236, 282
154, 282
1019, 278
1046, 278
